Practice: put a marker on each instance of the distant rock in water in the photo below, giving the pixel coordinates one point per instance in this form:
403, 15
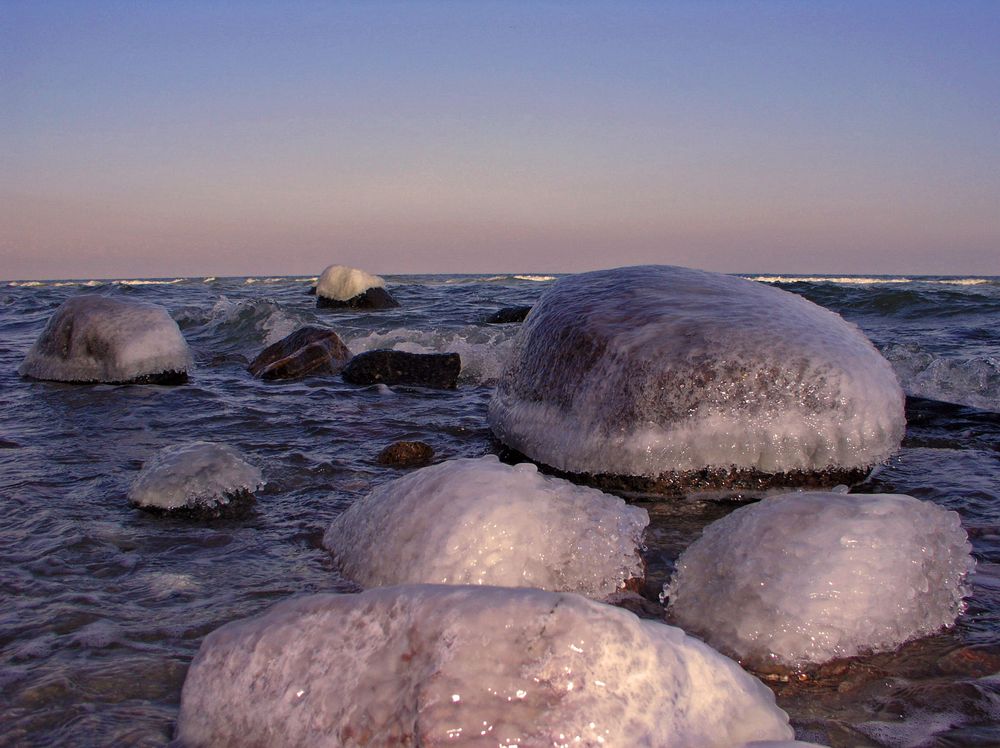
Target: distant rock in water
341, 287
664, 379
399, 367
311, 291
508, 314
308, 350
432, 665
201, 480
804, 578
406, 454
478, 521
102, 339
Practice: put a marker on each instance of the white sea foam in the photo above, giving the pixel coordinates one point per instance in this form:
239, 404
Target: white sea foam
848, 280
478, 521
535, 278
643, 370
483, 349
809, 577
101, 339
466, 666
197, 474
342, 283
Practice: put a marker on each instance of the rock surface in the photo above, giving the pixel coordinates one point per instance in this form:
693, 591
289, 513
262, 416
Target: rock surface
406, 454
399, 367
668, 376
805, 578
308, 350
431, 665
508, 315
102, 339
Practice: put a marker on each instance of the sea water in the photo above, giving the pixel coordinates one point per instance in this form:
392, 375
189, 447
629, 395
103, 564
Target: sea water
105, 606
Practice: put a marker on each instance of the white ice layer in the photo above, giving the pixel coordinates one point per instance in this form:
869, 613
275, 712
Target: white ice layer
643, 370
341, 283
197, 474
461, 666
102, 339
809, 577
478, 521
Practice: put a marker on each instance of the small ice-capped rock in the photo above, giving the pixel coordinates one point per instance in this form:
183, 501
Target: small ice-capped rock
479, 521
657, 370
343, 287
200, 479
466, 666
94, 338
804, 578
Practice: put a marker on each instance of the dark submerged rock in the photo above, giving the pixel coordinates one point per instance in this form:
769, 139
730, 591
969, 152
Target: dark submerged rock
399, 367
406, 454
308, 350
311, 291
373, 298
239, 504
508, 315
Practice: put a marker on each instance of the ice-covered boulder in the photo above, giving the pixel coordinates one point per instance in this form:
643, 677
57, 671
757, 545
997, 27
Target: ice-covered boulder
308, 350
341, 287
101, 339
809, 577
676, 378
478, 521
198, 479
431, 665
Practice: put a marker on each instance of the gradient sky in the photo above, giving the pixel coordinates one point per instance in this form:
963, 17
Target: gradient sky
231, 138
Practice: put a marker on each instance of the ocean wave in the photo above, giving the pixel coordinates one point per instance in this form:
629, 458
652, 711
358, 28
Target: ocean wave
535, 278
245, 324
845, 279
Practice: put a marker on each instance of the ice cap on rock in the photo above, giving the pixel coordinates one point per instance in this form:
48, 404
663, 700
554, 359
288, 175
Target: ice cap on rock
479, 521
805, 578
639, 371
342, 283
466, 666
94, 338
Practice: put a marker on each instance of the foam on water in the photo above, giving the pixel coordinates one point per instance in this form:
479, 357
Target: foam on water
478, 521
430, 665
198, 474
101, 339
642, 370
809, 577
342, 283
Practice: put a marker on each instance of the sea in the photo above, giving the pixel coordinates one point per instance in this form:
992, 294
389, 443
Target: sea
104, 606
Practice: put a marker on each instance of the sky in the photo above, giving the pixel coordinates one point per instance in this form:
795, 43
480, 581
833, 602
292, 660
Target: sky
179, 138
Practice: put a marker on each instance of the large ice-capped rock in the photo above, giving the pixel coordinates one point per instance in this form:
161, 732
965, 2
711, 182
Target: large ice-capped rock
686, 378
200, 479
478, 521
429, 665
342, 287
809, 577
101, 339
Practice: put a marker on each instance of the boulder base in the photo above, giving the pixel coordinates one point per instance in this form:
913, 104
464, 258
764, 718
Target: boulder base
399, 367
373, 298
308, 350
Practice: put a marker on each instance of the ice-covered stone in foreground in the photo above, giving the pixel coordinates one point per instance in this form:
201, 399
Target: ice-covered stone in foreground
644, 371
101, 339
478, 521
341, 286
460, 666
202, 479
809, 577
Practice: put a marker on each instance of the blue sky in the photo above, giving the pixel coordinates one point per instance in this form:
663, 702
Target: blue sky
259, 138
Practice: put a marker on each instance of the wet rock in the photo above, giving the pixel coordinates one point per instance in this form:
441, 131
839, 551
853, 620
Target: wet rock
399, 367
977, 662
311, 291
308, 350
406, 454
373, 298
508, 315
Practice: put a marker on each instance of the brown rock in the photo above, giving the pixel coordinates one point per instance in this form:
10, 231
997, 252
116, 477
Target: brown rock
308, 350
406, 454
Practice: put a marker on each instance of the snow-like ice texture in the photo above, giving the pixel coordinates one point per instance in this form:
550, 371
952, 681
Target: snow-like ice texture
197, 475
645, 370
101, 339
973, 381
461, 666
809, 577
342, 283
478, 521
